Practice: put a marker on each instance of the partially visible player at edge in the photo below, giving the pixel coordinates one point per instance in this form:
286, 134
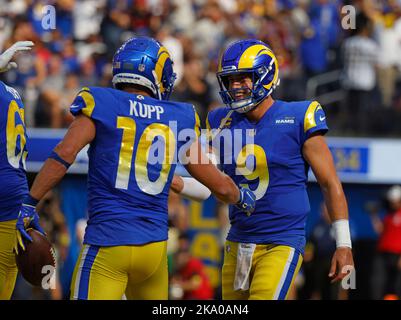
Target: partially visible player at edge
125, 240
263, 252
13, 182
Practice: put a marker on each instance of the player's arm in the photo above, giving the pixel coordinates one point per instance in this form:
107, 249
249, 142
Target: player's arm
81, 132
190, 188
222, 186
317, 154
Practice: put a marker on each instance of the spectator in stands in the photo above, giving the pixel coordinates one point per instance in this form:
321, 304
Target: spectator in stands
55, 78
173, 45
70, 57
360, 54
319, 36
389, 36
87, 17
209, 31
116, 21
194, 88
48, 112
71, 87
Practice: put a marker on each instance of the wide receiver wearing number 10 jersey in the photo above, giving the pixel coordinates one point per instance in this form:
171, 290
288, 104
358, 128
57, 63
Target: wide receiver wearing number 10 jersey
135, 138
127, 198
125, 193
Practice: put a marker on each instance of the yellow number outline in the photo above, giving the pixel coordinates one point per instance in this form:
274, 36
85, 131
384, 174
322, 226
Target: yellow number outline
260, 170
128, 125
14, 131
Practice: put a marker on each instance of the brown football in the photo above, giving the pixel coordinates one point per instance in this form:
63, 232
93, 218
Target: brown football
38, 259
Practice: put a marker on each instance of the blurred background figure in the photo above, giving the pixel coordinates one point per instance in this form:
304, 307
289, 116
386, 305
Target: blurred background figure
389, 246
361, 58
80, 230
318, 253
389, 39
189, 280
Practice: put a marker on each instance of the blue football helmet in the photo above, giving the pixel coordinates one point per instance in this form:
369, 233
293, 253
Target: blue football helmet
145, 62
252, 57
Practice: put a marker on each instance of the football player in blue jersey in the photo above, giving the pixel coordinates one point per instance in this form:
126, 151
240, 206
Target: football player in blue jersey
13, 182
128, 129
263, 252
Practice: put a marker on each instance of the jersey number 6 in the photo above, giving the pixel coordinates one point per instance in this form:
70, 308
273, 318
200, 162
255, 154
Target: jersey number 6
15, 150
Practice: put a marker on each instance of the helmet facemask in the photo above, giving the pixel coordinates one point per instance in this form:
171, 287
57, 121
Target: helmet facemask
258, 60
256, 94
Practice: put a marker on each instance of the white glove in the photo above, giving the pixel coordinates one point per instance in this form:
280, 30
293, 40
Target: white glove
7, 55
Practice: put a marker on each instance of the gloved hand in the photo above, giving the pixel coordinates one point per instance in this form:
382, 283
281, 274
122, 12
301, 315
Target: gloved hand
27, 218
7, 55
246, 201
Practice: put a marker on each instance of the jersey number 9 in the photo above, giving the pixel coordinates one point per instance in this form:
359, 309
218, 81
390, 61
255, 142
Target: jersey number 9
260, 170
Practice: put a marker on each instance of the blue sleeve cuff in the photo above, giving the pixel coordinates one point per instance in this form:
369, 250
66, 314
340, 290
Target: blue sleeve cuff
29, 200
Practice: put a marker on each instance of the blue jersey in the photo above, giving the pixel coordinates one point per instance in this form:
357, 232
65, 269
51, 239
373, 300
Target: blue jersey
273, 167
131, 163
13, 153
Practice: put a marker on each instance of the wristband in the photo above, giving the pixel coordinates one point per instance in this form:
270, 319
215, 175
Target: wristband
342, 233
194, 190
56, 157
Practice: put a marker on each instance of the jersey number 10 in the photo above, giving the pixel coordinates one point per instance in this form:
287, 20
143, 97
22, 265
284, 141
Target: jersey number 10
128, 125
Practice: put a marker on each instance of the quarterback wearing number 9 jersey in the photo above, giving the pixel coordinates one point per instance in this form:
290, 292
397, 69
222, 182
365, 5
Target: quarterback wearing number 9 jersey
135, 138
264, 250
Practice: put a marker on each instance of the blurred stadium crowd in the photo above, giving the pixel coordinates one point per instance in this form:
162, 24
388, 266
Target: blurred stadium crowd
355, 74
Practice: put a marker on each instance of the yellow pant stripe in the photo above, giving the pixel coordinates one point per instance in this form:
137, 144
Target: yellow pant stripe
294, 275
77, 272
284, 274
